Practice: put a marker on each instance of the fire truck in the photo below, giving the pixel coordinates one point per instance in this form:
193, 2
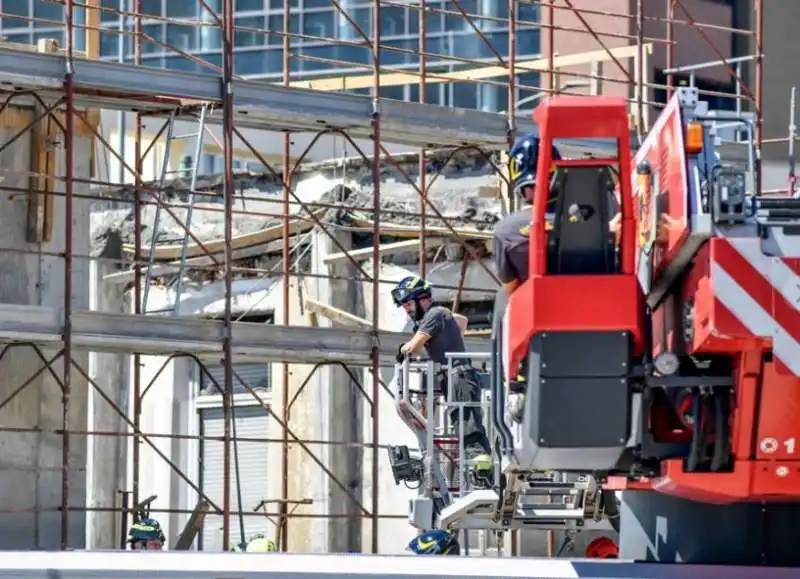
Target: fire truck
662, 364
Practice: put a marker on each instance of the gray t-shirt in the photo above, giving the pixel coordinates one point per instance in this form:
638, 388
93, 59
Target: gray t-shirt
445, 335
512, 245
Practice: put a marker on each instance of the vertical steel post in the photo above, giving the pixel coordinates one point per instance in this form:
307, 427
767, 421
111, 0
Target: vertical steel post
286, 269
137, 287
68, 217
227, 141
759, 74
423, 165
376, 259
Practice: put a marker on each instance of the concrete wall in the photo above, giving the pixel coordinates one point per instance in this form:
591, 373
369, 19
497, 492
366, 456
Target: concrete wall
30, 469
107, 460
170, 406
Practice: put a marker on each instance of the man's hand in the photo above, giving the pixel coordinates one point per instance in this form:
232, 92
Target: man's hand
615, 227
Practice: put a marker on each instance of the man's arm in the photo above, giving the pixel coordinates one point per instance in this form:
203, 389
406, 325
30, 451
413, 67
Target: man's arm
430, 325
506, 272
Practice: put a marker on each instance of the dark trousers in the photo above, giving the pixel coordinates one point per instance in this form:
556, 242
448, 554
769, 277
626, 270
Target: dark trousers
466, 388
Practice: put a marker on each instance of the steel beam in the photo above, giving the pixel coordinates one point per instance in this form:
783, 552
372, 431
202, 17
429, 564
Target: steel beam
258, 104
123, 333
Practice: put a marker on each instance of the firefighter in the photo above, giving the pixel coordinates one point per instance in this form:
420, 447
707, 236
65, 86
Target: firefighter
435, 542
511, 235
438, 332
511, 247
146, 535
256, 544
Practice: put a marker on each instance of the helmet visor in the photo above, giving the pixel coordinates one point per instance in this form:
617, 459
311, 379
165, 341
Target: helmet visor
401, 294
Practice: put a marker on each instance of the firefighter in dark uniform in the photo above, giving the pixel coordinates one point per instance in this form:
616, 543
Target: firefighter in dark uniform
437, 331
511, 248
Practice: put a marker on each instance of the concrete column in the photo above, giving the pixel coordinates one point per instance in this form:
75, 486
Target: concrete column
106, 463
343, 402
31, 473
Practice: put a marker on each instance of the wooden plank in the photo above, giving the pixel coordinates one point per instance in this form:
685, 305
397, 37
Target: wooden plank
172, 252
394, 248
413, 231
336, 314
470, 74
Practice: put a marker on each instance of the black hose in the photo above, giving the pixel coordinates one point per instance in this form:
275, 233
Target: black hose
497, 375
721, 436
694, 451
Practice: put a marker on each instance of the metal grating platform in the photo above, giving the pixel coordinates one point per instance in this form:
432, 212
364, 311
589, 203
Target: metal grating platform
103, 332
257, 104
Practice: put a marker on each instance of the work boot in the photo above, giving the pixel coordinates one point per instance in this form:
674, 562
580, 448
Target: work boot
517, 385
480, 467
516, 407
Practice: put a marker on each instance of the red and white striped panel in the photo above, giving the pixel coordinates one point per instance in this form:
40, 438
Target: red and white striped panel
762, 292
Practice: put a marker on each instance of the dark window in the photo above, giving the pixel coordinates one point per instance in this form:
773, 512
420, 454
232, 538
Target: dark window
715, 102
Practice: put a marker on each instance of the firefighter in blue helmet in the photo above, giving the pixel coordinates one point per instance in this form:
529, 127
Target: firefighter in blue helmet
146, 535
435, 542
511, 235
436, 330
511, 247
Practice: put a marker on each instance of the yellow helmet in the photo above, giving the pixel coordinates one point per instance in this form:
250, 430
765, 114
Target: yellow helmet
257, 544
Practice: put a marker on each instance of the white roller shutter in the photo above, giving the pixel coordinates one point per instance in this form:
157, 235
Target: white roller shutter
257, 376
251, 422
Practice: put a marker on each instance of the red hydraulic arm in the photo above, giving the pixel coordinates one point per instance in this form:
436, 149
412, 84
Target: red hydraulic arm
550, 302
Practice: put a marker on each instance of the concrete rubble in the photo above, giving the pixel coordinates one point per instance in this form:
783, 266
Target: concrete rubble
464, 192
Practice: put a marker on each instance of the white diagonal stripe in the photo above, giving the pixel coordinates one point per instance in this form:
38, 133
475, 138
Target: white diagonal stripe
774, 269
753, 317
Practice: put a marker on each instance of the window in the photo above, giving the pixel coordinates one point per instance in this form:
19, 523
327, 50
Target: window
528, 42
258, 62
181, 37
392, 92
527, 12
107, 16
464, 96
156, 32
250, 37
109, 44
180, 63
362, 17
245, 5
182, 9
48, 11
209, 164
392, 21
456, 22
16, 7
715, 102
319, 24
152, 7
394, 58
275, 24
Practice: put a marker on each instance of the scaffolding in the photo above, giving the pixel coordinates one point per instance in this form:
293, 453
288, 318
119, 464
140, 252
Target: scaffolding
65, 88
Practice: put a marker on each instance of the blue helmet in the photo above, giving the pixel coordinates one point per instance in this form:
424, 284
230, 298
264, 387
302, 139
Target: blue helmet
411, 288
522, 161
435, 542
146, 530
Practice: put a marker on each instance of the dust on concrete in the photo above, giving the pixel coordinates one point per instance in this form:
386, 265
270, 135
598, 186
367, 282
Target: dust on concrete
464, 196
